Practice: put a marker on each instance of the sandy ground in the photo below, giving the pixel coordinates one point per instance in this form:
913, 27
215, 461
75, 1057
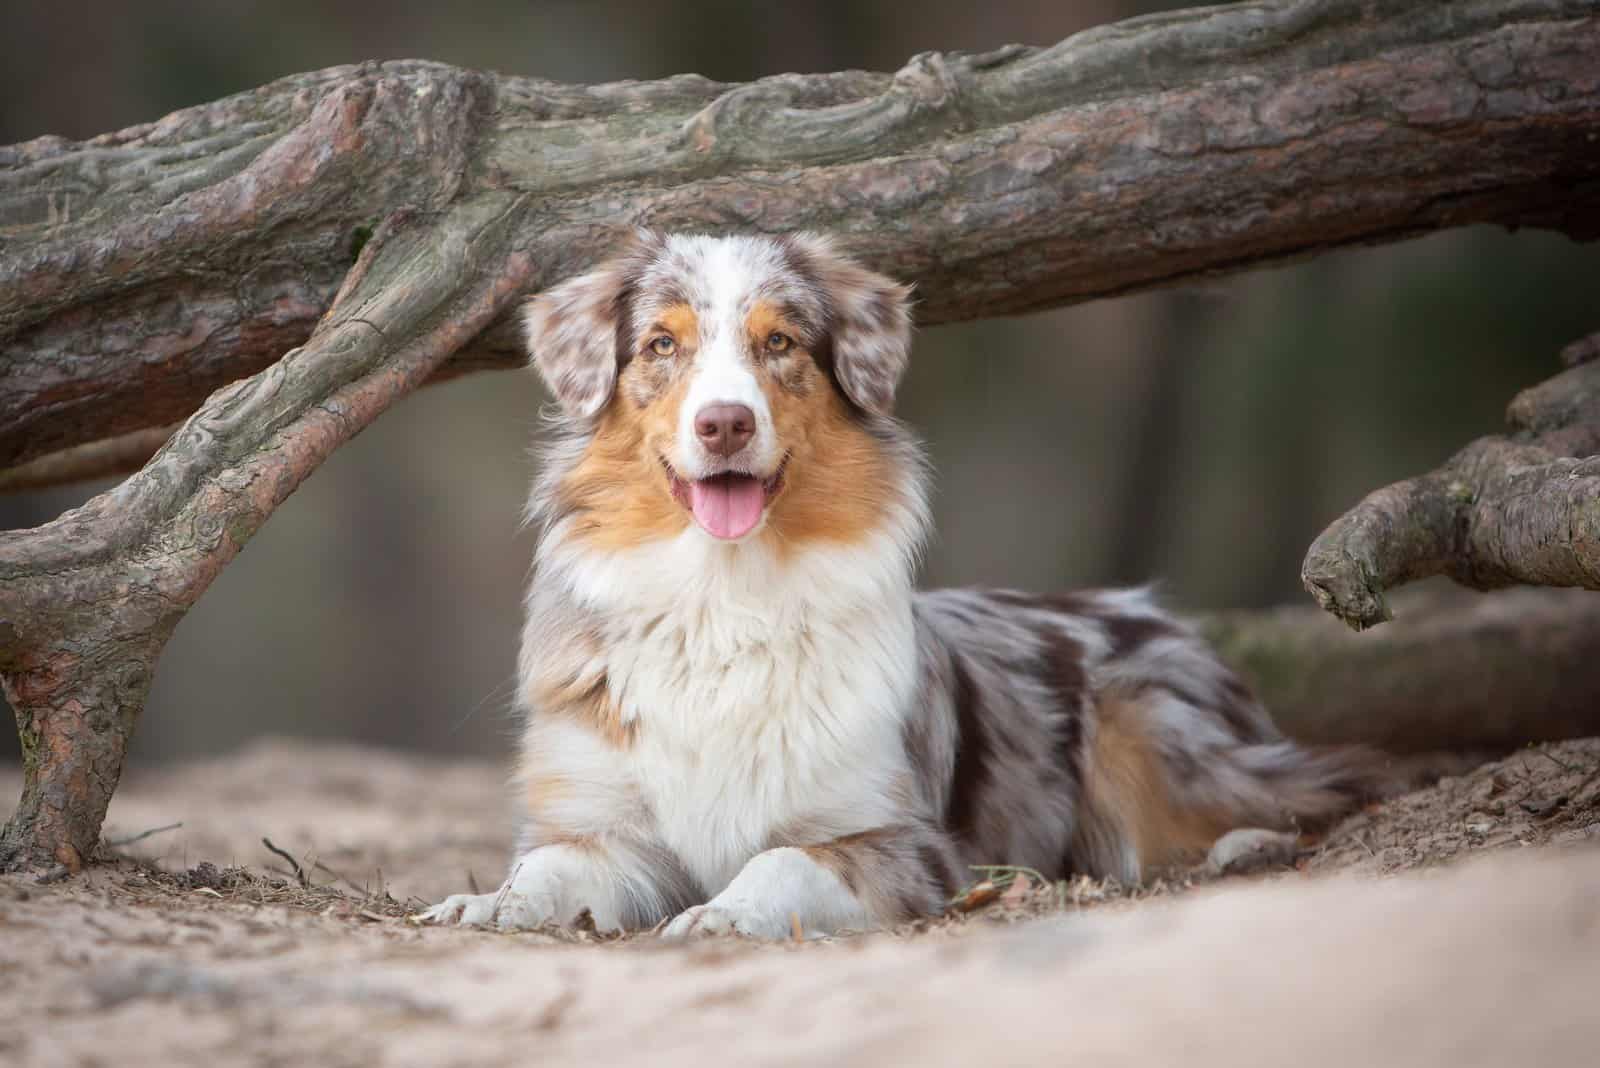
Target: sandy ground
1390, 941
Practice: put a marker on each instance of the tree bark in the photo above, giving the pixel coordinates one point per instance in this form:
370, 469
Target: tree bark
1519, 508
147, 269
1458, 671
87, 602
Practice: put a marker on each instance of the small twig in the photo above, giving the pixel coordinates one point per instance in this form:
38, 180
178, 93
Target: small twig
299, 872
363, 891
1569, 769
118, 843
472, 882
494, 914
1007, 873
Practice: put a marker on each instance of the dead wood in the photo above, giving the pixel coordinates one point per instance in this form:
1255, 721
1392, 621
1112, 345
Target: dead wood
1523, 507
1457, 671
144, 269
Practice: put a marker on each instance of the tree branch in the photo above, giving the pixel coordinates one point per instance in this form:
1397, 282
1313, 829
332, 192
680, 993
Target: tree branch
1457, 671
146, 268
95, 459
88, 601
1521, 508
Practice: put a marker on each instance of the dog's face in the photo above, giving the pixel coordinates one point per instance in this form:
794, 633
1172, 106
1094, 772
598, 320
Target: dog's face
730, 382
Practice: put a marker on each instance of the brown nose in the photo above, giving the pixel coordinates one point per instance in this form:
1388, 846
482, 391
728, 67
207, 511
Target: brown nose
725, 428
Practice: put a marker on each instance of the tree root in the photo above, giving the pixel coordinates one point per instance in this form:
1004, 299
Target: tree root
1521, 508
88, 601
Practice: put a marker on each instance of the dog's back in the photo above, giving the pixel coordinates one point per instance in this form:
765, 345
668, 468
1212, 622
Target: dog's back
1093, 732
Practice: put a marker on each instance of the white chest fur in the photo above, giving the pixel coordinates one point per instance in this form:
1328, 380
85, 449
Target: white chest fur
764, 692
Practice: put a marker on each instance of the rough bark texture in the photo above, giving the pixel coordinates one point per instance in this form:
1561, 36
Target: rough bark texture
88, 601
1519, 508
1458, 671
147, 268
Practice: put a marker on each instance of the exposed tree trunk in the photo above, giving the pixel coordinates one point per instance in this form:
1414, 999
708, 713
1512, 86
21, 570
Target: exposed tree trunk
147, 268
1522, 508
1457, 671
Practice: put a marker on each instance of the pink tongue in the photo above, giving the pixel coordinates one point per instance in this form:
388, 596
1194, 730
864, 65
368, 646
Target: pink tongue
727, 507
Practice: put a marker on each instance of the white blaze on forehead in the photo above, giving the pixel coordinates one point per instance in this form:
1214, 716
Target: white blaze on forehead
725, 277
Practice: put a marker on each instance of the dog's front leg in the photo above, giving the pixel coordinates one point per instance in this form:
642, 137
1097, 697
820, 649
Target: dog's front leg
555, 883
857, 883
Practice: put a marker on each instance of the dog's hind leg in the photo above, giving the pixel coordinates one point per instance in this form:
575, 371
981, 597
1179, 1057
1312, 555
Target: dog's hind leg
860, 882
1165, 778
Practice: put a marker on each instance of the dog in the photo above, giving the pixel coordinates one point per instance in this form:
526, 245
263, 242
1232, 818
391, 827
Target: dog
739, 714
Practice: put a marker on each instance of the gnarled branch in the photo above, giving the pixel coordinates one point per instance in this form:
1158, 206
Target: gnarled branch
146, 268
88, 601
1520, 508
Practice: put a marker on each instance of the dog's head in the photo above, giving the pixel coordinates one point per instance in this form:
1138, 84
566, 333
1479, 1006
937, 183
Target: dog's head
730, 383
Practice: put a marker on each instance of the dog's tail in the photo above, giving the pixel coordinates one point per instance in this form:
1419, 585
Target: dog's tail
1165, 777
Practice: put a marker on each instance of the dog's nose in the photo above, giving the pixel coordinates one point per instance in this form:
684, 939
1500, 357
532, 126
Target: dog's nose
725, 428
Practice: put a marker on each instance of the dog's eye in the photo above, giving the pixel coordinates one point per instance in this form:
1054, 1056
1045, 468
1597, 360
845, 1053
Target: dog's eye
663, 345
779, 342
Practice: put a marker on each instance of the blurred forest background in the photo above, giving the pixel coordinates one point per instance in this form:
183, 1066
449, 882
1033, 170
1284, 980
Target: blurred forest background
1201, 437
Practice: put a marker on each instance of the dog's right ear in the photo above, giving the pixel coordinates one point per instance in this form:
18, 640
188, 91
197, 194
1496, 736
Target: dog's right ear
573, 332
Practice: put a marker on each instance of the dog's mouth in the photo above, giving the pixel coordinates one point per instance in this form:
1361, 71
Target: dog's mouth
728, 505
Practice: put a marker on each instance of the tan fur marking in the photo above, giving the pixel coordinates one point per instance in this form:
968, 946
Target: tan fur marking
1125, 785
543, 792
836, 859
857, 861
837, 478
596, 710
680, 321
765, 319
619, 492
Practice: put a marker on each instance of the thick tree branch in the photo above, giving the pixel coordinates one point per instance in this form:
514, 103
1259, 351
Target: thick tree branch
146, 268
95, 459
1457, 671
88, 601
1522, 508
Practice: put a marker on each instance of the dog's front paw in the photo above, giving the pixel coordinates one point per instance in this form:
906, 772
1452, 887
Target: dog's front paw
705, 921
506, 909
468, 910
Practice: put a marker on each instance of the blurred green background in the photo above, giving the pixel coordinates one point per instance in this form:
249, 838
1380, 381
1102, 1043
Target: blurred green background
1201, 437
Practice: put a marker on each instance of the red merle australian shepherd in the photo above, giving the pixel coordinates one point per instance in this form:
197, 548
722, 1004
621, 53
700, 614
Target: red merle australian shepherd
739, 714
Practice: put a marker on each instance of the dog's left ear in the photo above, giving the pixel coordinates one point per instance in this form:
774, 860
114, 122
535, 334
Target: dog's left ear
869, 322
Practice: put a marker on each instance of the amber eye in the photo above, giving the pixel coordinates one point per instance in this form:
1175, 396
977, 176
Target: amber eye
663, 345
779, 342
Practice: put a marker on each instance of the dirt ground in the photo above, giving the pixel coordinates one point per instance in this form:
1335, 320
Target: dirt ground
1388, 941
